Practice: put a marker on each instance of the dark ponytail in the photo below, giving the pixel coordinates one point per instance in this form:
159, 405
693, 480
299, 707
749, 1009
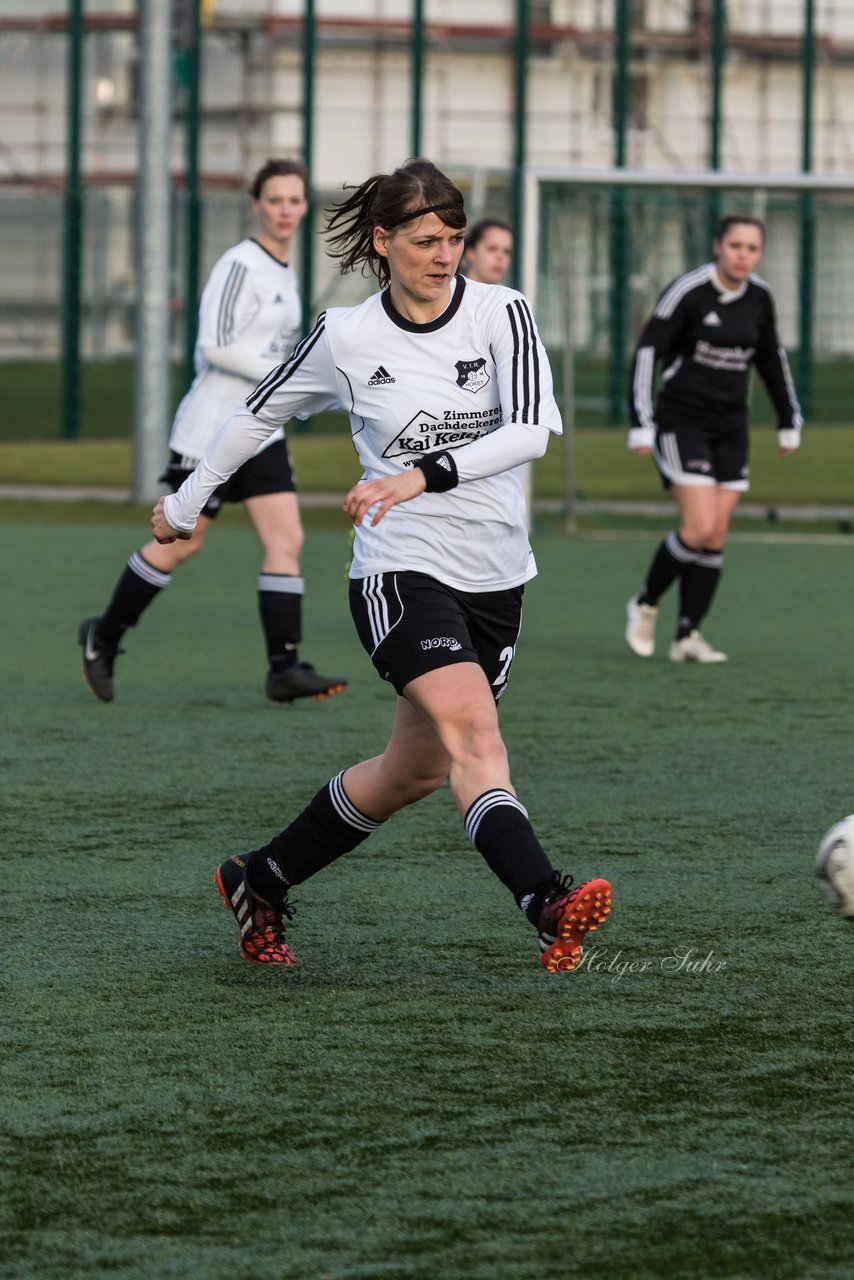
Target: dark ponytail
388, 200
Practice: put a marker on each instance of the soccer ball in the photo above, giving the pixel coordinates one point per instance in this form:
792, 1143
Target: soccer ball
835, 867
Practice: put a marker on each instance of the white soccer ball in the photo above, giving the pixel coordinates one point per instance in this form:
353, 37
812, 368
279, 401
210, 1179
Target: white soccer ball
835, 867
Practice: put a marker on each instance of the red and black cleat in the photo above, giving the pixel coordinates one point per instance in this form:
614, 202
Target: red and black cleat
261, 925
567, 916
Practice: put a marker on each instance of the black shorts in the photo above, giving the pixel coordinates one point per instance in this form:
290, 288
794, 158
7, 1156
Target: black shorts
410, 624
693, 455
269, 471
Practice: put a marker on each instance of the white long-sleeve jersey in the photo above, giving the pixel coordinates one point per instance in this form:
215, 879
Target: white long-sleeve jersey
249, 320
475, 380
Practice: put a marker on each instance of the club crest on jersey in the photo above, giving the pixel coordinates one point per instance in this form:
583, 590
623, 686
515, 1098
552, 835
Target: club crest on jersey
471, 374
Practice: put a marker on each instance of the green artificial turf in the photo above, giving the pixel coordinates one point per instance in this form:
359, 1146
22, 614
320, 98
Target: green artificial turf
418, 1099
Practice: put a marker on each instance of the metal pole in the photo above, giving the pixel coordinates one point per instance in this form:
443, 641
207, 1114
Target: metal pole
520, 136
72, 226
808, 57
417, 73
718, 56
193, 211
563, 240
744, 180
807, 249
307, 239
527, 249
152, 389
619, 269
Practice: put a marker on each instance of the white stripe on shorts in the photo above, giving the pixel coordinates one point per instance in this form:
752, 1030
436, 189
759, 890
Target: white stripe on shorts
374, 595
666, 454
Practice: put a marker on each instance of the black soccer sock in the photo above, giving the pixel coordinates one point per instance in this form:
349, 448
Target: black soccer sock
280, 607
696, 590
134, 592
669, 562
498, 827
329, 826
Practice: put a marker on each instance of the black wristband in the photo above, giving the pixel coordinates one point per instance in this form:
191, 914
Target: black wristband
440, 471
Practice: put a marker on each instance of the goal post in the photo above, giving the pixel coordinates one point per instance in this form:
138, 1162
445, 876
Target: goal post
598, 246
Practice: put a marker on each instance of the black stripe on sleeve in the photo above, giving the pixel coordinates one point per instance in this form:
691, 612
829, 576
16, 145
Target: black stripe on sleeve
279, 376
515, 370
528, 324
524, 361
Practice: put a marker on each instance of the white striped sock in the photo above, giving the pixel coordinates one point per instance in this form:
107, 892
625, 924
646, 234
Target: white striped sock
345, 808
286, 584
142, 569
483, 804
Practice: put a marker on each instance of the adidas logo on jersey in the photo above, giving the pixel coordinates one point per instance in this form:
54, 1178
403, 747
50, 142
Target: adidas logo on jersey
712, 318
380, 378
278, 298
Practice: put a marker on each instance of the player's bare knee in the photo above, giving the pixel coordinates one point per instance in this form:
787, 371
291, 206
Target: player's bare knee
717, 537
408, 789
169, 556
698, 534
284, 548
186, 550
482, 742
426, 783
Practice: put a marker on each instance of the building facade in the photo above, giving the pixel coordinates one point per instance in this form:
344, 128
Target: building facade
253, 107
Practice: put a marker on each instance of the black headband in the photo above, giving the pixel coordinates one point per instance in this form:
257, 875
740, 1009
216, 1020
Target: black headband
419, 213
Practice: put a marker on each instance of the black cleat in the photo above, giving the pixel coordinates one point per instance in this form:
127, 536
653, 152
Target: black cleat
301, 681
97, 662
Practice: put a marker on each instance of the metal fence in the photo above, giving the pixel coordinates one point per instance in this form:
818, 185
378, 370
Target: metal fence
488, 86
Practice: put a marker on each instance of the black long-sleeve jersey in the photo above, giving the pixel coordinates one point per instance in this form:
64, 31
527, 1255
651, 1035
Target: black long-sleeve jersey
706, 338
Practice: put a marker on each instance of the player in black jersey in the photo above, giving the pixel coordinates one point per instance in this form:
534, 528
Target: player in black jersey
708, 328
441, 551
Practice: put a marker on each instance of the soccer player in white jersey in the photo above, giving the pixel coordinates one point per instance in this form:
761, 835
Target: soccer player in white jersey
249, 320
448, 390
708, 328
489, 251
